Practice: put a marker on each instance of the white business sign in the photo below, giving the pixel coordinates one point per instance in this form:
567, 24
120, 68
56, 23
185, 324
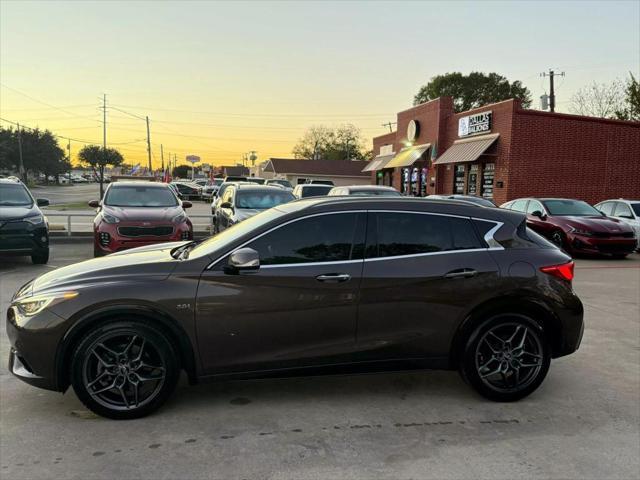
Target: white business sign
475, 124
193, 158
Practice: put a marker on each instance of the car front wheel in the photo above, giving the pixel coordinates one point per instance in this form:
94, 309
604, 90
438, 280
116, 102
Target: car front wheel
40, 257
506, 358
124, 369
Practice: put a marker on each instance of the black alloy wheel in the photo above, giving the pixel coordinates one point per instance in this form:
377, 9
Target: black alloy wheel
506, 358
557, 238
124, 370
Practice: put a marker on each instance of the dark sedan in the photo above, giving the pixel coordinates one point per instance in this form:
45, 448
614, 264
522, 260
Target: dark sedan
24, 230
576, 226
330, 285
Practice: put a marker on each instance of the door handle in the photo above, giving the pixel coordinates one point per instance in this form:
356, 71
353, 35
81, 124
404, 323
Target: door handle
334, 277
461, 273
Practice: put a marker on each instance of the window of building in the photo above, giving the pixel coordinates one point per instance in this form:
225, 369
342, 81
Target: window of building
323, 238
411, 233
472, 180
488, 175
458, 180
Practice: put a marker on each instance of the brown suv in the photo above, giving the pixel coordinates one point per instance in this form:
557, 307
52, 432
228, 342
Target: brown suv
321, 285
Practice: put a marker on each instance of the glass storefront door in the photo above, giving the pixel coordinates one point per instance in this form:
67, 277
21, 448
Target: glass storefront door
472, 179
488, 175
458, 180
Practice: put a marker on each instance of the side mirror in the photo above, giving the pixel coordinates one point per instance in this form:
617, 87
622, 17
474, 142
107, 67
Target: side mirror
226, 205
243, 260
186, 204
539, 214
42, 202
94, 203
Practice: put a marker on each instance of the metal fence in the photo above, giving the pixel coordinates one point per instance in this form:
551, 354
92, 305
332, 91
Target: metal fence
69, 224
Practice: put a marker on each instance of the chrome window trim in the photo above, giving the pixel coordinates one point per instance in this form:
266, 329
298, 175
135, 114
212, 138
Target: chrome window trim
488, 238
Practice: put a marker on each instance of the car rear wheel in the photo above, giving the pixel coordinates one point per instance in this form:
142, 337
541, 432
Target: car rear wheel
506, 357
40, 257
124, 369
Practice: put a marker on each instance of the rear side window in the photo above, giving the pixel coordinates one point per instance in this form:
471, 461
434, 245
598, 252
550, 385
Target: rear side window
606, 208
323, 238
407, 233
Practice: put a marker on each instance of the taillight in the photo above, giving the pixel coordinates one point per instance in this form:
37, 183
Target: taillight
563, 272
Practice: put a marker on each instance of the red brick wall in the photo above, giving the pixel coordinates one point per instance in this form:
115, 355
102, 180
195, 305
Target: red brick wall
571, 156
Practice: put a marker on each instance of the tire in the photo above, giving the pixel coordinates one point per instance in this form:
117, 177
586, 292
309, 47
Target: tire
489, 365
97, 252
133, 358
41, 257
557, 237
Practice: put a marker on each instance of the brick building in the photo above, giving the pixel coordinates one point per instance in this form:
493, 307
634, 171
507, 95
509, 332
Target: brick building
502, 151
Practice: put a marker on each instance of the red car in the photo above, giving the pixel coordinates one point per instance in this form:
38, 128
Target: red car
134, 214
576, 226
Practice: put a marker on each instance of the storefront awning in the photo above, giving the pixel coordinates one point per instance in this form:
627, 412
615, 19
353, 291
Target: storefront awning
378, 163
467, 150
408, 156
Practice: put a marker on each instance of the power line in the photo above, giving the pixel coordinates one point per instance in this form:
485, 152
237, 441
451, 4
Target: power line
85, 142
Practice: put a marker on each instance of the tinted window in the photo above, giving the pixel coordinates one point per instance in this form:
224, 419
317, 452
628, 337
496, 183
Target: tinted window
324, 238
622, 209
606, 208
519, 205
636, 208
315, 191
534, 206
410, 233
374, 192
140, 196
14, 195
570, 207
256, 199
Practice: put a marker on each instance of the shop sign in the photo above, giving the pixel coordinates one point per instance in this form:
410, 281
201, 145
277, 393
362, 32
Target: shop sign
475, 124
413, 130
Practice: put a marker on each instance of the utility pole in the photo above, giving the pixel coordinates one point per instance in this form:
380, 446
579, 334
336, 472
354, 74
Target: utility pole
389, 124
148, 144
552, 94
69, 149
21, 167
104, 144
162, 158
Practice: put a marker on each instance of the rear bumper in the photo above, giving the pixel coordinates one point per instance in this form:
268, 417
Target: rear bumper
571, 316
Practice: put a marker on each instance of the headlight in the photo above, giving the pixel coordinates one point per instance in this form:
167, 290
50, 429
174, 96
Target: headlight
181, 217
31, 306
35, 220
108, 218
584, 233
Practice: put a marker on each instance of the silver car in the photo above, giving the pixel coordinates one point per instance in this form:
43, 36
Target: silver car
627, 211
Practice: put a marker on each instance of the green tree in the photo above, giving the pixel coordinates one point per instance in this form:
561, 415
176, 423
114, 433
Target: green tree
325, 143
40, 152
631, 108
98, 158
473, 90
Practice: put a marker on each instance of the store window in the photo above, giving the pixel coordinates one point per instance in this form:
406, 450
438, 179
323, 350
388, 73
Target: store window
472, 179
488, 175
458, 180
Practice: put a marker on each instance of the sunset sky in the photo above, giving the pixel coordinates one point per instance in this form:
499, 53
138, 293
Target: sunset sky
220, 79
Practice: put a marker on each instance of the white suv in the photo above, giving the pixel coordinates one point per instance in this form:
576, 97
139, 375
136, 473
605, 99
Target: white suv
627, 211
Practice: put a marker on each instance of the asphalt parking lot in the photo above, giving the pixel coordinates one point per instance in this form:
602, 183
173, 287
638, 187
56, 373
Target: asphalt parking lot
582, 423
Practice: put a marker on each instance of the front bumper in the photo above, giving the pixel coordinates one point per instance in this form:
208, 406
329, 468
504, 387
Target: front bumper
22, 238
34, 343
602, 246
107, 238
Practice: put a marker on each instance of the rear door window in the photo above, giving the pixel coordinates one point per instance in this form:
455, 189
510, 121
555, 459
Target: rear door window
406, 233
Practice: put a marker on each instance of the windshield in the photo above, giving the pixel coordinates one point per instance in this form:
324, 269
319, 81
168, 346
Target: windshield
570, 207
236, 231
262, 200
14, 196
140, 196
315, 191
284, 183
373, 192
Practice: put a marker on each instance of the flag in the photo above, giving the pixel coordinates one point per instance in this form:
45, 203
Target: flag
135, 169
